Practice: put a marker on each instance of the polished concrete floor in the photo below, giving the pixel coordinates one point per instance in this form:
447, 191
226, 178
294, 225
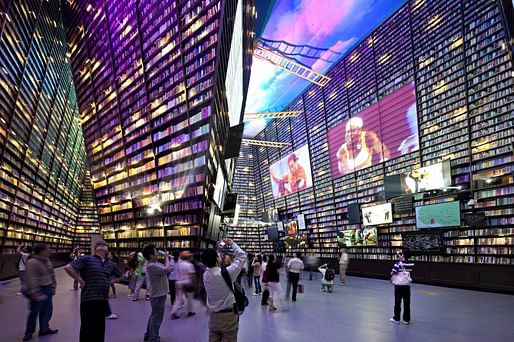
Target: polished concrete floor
357, 312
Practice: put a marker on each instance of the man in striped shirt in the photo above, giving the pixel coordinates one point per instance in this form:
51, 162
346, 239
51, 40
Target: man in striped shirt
402, 291
95, 274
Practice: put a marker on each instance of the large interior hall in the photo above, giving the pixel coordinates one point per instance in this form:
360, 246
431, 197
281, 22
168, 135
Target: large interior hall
256, 170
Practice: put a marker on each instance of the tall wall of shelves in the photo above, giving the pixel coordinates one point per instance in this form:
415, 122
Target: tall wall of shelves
150, 78
42, 155
459, 55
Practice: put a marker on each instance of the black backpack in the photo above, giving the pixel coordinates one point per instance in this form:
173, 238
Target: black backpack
239, 293
329, 274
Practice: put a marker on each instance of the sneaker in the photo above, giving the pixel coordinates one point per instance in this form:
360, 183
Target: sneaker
112, 296
18, 294
147, 297
27, 337
189, 314
135, 299
405, 322
255, 294
130, 295
48, 332
112, 316
392, 320
174, 316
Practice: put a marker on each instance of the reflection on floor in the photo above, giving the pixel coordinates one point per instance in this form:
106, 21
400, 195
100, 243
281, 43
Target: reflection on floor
357, 312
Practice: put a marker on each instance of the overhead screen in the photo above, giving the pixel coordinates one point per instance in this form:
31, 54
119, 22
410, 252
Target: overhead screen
438, 215
291, 173
385, 130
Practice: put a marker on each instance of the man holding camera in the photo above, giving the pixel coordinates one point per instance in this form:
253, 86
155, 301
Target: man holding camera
223, 321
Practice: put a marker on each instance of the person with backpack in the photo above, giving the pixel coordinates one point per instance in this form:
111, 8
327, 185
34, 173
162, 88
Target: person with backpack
400, 277
24, 252
223, 301
327, 281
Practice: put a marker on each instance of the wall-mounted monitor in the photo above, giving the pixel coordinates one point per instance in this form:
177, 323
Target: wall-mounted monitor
296, 241
475, 220
357, 237
354, 213
423, 242
301, 222
432, 177
438, 215
377, 214
292, 173
272, 233
385, 130
291, 227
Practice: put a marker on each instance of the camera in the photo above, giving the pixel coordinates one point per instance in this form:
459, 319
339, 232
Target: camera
161, 253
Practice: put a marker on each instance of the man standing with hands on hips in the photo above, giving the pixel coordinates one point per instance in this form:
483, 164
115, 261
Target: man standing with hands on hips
223, 321
95, 275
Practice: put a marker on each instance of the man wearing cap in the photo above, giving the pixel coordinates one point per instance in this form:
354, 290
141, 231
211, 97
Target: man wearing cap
95, 274
184, 285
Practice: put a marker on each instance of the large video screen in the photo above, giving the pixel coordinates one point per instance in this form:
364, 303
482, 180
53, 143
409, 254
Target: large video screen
377, 214
291, 173
438, 215
385, 130
357, 237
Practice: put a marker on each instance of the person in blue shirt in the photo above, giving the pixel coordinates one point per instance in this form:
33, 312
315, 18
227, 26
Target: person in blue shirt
401, 270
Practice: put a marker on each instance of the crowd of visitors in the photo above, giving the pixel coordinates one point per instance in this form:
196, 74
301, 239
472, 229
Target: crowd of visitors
214, 278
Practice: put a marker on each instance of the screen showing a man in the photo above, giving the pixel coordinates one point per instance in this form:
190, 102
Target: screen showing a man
292, 173
385, 130
361, 148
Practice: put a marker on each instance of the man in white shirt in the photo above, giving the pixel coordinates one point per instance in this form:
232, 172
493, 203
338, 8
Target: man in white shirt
294, 269
184, 285
158, 278
223, 321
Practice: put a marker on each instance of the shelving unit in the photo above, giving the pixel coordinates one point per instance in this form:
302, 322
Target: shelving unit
150, 77
459, 57
42, 156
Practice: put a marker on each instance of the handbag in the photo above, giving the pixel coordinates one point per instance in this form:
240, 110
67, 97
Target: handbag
238, 292
402, 278
300, 288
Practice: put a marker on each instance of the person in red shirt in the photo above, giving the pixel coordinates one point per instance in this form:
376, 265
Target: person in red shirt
296, 177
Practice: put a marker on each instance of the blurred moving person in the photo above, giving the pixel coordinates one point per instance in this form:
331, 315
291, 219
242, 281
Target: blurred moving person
184, 285
40, 288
